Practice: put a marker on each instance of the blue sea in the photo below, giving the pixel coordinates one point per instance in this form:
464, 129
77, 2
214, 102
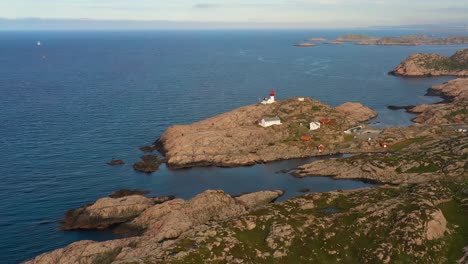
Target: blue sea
83, 98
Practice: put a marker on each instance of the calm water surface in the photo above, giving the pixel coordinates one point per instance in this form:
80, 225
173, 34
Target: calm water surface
81, 98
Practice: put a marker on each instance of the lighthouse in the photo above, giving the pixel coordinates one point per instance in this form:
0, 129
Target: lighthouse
271, 99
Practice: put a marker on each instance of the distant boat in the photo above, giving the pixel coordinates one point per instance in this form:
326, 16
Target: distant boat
39, 43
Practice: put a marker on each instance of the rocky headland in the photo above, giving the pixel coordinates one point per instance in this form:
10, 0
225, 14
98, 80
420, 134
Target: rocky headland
235, 138
434, 65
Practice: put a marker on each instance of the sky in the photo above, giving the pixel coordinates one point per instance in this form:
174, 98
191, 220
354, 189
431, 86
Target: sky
293, 13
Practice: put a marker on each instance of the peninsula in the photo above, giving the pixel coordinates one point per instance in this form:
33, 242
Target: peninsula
236, 138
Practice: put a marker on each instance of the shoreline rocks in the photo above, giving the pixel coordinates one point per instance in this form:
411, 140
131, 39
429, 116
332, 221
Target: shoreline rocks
115, 162
148, 164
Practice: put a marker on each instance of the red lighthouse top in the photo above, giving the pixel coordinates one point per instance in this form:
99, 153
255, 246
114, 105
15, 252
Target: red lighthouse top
272, 92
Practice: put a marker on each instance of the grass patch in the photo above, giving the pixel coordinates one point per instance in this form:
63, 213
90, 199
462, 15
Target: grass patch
423, 169
456, 215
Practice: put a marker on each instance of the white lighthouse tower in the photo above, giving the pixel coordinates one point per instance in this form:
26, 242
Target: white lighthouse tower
271, 99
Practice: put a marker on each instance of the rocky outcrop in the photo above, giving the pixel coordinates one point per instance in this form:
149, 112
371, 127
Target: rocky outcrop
454, 90
434, 65
127, 192
148, 164
106, 212
356, 112
453, 111
162, 224
115, 162
235, 138
255, 199
436, 226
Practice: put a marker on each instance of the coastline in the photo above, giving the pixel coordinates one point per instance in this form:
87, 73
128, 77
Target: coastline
130, 246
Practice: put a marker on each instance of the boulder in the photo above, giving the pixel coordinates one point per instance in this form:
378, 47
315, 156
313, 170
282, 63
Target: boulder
255, 199
436, 226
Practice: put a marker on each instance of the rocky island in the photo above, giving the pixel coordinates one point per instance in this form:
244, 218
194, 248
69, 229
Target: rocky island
434, 65
412, 40
305, 45
419, 217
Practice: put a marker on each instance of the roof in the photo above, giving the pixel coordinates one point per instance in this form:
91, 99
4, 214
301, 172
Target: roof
271, 119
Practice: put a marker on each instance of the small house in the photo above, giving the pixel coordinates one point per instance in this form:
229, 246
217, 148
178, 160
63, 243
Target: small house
301, 99
306, 138
383, 144
326, 121
269, 121
320, 148
314, 125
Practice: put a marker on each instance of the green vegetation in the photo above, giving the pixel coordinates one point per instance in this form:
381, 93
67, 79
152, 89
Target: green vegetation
456, 213
405, 143
424, 168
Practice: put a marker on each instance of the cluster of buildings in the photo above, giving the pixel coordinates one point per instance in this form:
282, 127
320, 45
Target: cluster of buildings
358, 131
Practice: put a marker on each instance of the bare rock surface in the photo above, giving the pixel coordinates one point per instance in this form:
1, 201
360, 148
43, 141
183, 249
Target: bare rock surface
356, 112
106, 212
255, 199
436, 226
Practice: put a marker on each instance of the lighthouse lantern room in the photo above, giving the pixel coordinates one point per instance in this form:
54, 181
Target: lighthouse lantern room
271, 99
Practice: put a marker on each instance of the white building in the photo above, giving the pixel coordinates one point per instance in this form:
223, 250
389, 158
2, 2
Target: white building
271, 99
270, 121
301, 99
314, 125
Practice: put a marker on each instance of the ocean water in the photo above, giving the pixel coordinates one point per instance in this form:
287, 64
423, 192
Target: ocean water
82, 98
